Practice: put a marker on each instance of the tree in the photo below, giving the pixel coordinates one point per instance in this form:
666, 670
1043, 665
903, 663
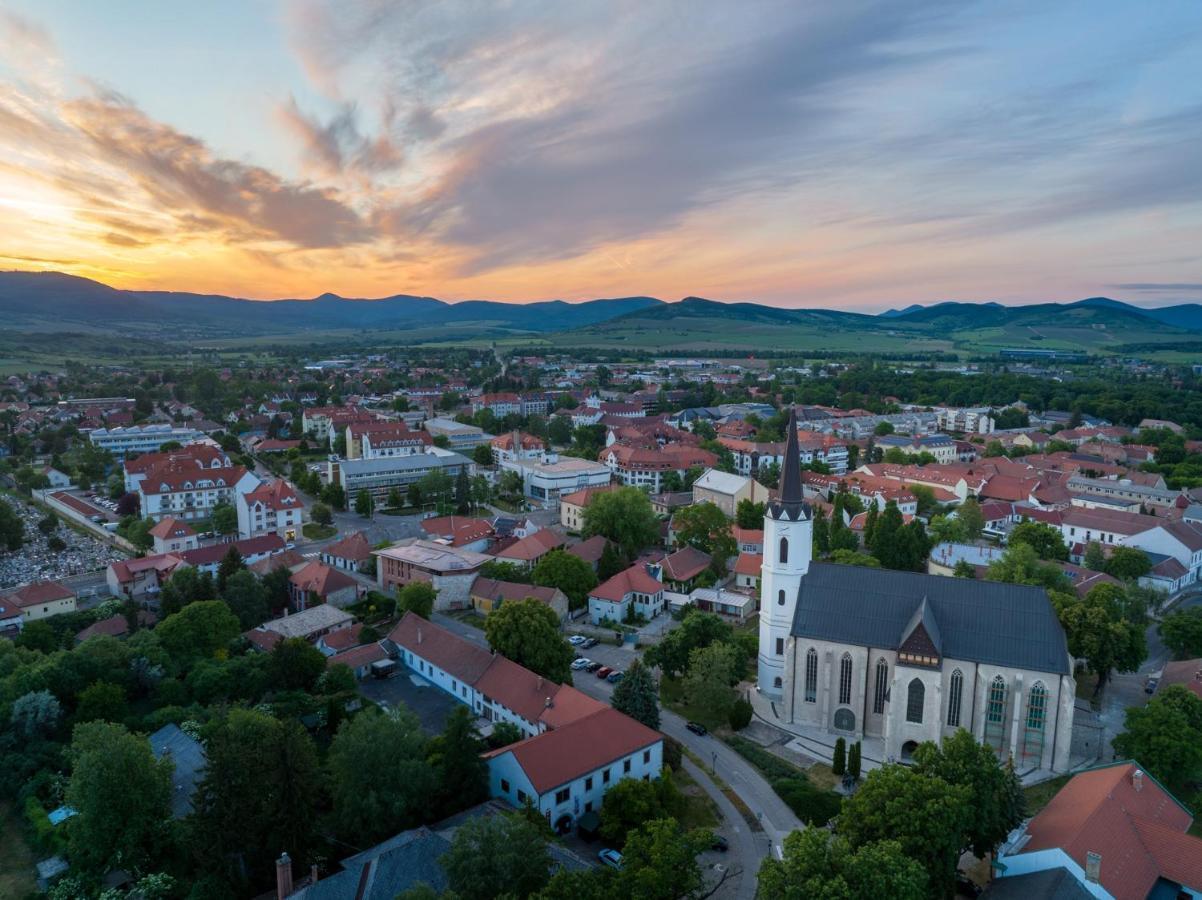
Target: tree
964, 569
246, 597
611, 562
822, 534
1165, 737
503, 734
571, 574
321, 514
463, 492
659, 862
882, 429
749, 515
488, 852
1020, 564
839, 762
38, 635
225, 519
995, 792
708, 684
198, 631
122, 796
461, 775
1099, 634
527, 632
137, 532
36, 713
925, 498
295, 665
1128, 563
261, 791
699, 629
55, 544
394, 498
334, 495
632, 803
854, 761
482, 455
101, 701
231, 563
971, 518
705, 526
816, 863
740, 714
416, 597
128, 505
380, 779
1043, 538
1181, 632
12, 528
897, 545
625, 517
1095, 557
363, 503
883, 809
637, 695
276, 587
48, 525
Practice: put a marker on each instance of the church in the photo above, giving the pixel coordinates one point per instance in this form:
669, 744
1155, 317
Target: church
899, 658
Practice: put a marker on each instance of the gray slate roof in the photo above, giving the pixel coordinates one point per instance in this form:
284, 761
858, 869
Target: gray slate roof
189, 758
393, 866
1048, 884
978, 621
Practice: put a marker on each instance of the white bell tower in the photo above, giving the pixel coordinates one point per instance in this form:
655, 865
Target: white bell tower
788, 537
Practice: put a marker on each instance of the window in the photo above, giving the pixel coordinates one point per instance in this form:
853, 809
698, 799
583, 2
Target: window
784, 550
780, 646
605, 777
915, 699
646, 756
845, 679
625, 766
882, 686
588, 807
563, 796
504, 786
954, 695
776, 682
995, 713
780, 598
811, 694
588, 783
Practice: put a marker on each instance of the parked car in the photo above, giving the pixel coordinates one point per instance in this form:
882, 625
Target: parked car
577, 640
611, 858
697, 728
614, 677
589, 642
604, 671
719, 843
592, 667
1150, 685
581, 663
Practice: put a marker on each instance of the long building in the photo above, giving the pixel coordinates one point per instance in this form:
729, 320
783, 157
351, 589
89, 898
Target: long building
141, 438
379, 476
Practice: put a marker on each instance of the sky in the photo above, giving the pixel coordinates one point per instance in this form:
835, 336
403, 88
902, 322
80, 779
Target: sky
855, 155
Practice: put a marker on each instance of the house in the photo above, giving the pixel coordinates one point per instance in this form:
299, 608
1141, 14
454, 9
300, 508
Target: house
645, 466
141, 438
459, 531
285, 559
725, 490
11, 619
1185, 672
114, 626
449, 570
188, 762
359, 659
552, 476
1116, 831
140, 578
56, 478
272, 507
748, 540
573, 505
459, 437
636, 591
351, 554
487, 595
589, 550
940, 446
171, 534
747, 571
527, 551
40, 600
682, 568
735, 604
310, 624
316, 582
527, 447
380, 476
187, 492
667, 503
193, 456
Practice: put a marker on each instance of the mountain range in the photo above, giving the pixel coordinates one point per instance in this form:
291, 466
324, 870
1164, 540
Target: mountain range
56, 302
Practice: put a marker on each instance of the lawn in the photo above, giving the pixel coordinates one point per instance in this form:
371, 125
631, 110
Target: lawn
699, 811
17, 872
1040, 795
813, 803
468, 617
316, 532
671, 695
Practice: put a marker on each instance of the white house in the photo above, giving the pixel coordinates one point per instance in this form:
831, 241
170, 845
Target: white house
272, 507
638, 589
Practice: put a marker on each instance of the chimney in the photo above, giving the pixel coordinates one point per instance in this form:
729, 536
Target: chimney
283, 876
1093, 867
1137, 780
419, 635
547, 703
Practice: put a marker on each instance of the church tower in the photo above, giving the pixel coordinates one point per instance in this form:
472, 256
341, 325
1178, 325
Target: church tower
788, 536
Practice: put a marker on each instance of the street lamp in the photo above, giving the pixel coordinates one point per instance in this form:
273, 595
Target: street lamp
714, 762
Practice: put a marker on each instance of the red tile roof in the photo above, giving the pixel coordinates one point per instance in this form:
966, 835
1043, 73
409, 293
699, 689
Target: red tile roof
590, 549
447, 650
353, 547
358, 656
634, 579
749, 564
686, 563
584, 496
274, 495
171, 527
459, 530
491, 589
322, 580
533, 547
37, 593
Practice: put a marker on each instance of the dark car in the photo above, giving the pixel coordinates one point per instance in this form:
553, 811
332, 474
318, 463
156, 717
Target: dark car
697, 728
719, 843
593, 667
1150, 685
591, 642
614, 677
604, 671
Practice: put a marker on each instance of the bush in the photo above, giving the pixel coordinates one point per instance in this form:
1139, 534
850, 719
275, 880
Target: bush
839, 764
811, 804
673, 752
45, 836
740, 715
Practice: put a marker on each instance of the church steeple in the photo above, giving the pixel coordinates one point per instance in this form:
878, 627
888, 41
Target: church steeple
791, 502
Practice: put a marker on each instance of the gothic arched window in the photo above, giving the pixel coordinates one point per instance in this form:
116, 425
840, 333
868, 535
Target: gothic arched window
915, 700
882, 686
811, 693
845, 679
784, 550
995, 713
955, 693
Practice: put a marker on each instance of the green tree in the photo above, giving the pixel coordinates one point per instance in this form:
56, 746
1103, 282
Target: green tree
611, 562
1098, 633
231, 563
488, 852
225, 519
854, 761
883, 809
1043, 538
709, 681
463, 492
740, 715
295, 665
964, 569
247, 599
12, 528
101, 701
637, 695
527, 632
363, 503
321, 514
48, 525
276, 586
460, 774
897, 545
334, 495
839, 761
698, 629
482, 455
122, 796
705, 526
632, 802
1181, 632
625, 517
970, 516
659, 862
995, 793
1128, 563
380, 779
1095, 557
749, 515
1020, 564
822, 534
394, 499
186, 585
198, 631
571, 574
882, 429
1165, 737
416, 597
816, 863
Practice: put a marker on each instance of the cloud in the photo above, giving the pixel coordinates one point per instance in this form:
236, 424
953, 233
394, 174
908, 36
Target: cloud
24, 36
338, 147
1155, 287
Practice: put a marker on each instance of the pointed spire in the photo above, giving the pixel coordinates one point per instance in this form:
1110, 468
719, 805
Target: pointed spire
791, 501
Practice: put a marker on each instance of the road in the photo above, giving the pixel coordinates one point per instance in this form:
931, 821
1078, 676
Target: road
747, 847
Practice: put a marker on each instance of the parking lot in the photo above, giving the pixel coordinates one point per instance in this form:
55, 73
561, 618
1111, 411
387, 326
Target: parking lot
35, 561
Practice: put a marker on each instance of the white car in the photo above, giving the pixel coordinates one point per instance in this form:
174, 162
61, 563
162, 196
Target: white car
577, 639
581, 663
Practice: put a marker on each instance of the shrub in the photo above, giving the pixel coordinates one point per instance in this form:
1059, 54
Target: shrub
812, 805
740, 715
839, 764
673, 752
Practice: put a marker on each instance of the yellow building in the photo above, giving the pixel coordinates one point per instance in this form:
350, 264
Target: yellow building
41, 600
